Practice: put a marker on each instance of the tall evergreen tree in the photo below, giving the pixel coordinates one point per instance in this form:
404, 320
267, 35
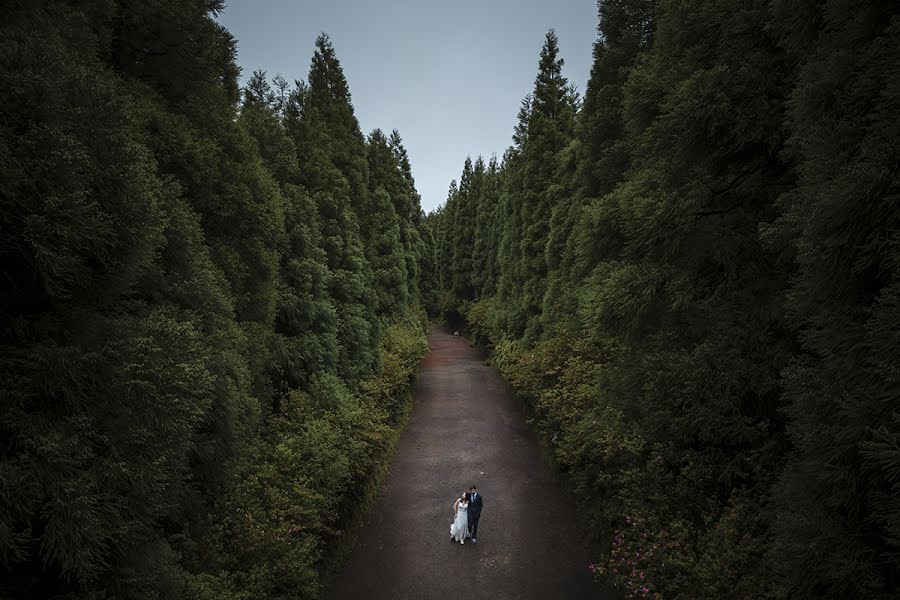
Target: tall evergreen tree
446, 240
464, 213
550, 128
680, 282
259, 115
334, 169
188, 330
546, 125
429, 266
125, 382
383, 226
839, 516
306, 322
409, 210
509, 212
598, 159
731, 159
485, 206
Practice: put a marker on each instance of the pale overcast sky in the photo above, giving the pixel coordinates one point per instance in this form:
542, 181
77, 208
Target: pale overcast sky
448, 75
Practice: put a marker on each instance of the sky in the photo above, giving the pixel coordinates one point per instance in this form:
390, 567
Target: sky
449, 76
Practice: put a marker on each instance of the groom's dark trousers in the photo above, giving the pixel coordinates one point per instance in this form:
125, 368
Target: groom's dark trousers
474, 514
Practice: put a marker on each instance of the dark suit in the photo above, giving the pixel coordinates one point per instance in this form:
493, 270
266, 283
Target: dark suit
474, 513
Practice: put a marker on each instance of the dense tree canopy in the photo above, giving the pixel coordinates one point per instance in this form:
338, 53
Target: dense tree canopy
214, 300
200, 345
695, 293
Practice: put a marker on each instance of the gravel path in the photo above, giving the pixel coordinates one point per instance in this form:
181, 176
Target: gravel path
464, 429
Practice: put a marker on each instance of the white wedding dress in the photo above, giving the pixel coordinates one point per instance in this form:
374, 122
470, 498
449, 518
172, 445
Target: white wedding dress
460, 524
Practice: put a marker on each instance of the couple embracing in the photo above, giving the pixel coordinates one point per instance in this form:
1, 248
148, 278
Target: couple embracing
466, 511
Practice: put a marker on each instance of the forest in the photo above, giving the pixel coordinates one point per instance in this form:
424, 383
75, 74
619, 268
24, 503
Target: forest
212, 309
689, 275
215, 297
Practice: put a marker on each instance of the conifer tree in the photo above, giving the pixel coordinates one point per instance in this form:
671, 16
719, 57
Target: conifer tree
597, 160
410, 213
260, 117
730, 160
446, 242
428, 274
838, 521
546, 125
189, 313
679, 276
125, 382
464, 214
335, 171
550, 128
486, 230
509, 316
384, 246
306, 322
481, 229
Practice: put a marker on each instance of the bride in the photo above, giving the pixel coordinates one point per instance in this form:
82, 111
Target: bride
461, 523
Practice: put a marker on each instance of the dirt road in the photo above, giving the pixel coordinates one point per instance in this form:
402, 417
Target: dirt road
465, 428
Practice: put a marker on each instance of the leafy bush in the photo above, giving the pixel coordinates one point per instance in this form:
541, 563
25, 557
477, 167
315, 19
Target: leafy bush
298, 499
641, 500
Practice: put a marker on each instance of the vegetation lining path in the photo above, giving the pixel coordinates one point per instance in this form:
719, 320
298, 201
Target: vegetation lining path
465, 428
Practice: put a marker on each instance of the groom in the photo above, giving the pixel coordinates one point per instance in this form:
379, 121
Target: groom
474, 513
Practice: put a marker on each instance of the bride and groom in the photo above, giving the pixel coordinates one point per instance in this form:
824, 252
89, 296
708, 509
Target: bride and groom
467, 511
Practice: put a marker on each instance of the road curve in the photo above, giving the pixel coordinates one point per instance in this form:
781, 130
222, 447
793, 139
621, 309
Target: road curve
465, 428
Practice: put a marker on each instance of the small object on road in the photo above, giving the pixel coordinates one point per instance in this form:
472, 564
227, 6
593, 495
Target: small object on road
460, 526
529, 557
474, 511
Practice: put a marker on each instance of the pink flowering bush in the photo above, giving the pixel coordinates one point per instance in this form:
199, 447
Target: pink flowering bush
641, 557
670, 558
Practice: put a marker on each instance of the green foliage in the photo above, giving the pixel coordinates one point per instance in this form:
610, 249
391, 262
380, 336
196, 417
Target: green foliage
484, 251
546, 126
387, 227
214, 301
297, 524
334, 170
125, 387
306, 322
837, 499
445, 224
404, 345
429, 270
695, 295
478, 316
416, 239
195, 396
